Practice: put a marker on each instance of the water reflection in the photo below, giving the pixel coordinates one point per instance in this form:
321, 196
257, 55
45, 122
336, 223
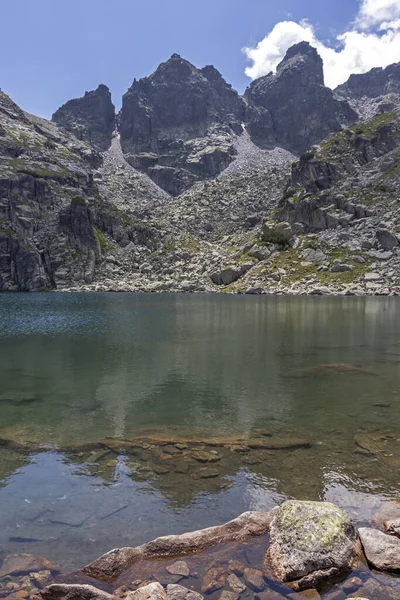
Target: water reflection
81, 368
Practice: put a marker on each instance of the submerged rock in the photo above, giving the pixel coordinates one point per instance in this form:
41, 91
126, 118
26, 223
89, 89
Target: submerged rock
214, 580
111, 565
179, 568
311, 541
21, 564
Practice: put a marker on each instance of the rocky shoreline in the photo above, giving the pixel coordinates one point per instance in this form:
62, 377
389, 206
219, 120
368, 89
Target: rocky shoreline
297, 550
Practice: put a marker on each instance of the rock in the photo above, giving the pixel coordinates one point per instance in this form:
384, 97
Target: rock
235, 584
178, 592
109, 566
91, 118
227, 276
153, 591
292, 108
213, 580
228, 596
381, 550
387, 239
179, 568
372, 277
254, 579
236, 567
58, 591
367, 91
339, 267
178, 125
392, 527
310, 540
205, 457
22, 564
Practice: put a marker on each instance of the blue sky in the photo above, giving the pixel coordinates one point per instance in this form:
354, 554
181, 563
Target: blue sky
54, 50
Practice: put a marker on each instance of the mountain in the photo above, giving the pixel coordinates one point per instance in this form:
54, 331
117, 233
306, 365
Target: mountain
292, 108
179, 124
293, 188
374, 92
90, 118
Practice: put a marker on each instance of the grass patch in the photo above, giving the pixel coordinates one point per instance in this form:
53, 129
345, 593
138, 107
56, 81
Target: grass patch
103, 241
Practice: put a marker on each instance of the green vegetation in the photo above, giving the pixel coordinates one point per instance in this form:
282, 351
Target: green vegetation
275, 236
342, 143
370, 128
103, 241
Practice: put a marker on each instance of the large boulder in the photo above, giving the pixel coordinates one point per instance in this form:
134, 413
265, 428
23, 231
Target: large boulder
178, 125
293, 108
311, 541
381, 550
90, 118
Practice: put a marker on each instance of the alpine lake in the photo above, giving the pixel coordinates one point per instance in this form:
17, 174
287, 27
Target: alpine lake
124, 417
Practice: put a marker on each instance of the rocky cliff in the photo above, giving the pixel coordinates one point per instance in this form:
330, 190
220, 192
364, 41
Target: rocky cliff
201, 190
292, 108
374, 92
90, 118
179, 124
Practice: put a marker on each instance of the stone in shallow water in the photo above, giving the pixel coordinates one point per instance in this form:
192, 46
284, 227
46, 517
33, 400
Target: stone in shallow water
254, 579
236, 567
311, 538
381, 550
235, 584
225, 595
213, 580
179, 568
178, 592
21, 564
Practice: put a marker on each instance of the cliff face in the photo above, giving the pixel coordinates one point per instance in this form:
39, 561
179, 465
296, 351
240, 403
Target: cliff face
90, 118
179, 124
292, 108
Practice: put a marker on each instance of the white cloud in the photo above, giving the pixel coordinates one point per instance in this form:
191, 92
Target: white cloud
374, 12
372, 41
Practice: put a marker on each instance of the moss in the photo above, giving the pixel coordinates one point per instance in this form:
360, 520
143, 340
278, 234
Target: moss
307, 525
78, 200
103, 241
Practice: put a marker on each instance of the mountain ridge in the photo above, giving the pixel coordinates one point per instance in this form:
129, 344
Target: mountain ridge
191, 187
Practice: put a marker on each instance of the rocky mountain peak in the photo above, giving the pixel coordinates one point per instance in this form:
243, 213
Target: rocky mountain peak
90, 118
292, 108
178, 124
303, 65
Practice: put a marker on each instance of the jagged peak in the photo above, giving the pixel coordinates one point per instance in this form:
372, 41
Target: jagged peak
303, 49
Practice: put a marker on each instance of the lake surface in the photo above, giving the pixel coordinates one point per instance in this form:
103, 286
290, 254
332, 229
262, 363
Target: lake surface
310, 384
